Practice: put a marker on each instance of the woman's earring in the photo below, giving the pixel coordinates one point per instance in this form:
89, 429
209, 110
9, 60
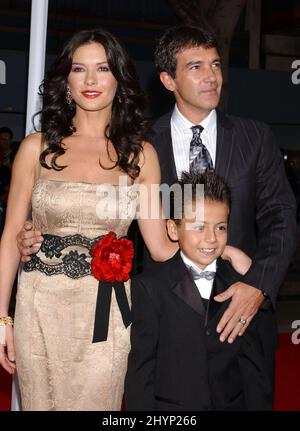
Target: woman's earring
119, 99
69, 97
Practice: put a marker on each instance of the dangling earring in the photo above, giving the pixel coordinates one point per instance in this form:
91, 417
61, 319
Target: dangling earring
69, 96
119, 99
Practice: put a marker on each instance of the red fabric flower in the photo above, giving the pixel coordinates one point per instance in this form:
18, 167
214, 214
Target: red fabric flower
112, 258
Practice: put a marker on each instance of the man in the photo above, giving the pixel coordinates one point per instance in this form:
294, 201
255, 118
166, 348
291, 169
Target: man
243, 152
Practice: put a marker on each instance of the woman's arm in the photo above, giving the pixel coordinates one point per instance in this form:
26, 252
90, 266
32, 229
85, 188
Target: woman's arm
18, 206
150, 217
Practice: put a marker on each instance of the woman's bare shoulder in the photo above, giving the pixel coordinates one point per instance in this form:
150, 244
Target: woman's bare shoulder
29, 151
148, 148
149, 164
33, 141
148, 153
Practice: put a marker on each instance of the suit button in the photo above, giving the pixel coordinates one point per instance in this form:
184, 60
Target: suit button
208, 331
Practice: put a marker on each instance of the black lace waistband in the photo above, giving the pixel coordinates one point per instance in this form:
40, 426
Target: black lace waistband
73, 264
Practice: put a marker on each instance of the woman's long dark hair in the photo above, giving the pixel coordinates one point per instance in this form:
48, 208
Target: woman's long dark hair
127, 128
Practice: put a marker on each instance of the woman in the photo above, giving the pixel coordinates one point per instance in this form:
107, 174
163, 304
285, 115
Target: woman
92, 134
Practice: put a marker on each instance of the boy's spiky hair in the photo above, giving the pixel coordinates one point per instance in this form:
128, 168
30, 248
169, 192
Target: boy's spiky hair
215, 189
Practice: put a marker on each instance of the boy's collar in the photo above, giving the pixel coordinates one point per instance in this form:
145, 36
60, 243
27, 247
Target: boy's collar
211, 267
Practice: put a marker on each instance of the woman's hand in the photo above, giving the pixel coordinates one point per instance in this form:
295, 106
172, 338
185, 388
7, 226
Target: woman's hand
238, 259
7, 353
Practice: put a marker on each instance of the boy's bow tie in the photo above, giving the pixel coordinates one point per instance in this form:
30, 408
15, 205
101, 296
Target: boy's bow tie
208, 275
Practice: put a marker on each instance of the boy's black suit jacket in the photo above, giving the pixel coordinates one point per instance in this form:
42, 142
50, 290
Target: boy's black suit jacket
177, 361
263, 213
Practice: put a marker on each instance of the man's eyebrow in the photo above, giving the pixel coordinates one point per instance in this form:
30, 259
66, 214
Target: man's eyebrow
193, 63
198, 62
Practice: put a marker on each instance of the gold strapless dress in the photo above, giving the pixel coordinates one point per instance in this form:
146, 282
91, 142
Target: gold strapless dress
59, 368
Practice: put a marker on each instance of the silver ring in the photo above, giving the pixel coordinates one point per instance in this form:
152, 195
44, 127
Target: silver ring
242, 321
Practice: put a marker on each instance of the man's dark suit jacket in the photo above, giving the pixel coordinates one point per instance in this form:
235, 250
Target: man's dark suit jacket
177, 361
263, 214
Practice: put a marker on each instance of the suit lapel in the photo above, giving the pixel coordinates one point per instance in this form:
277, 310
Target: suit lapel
225, 145
187, 291
162, 141
185, 288
225, 277
214, 306
167, 157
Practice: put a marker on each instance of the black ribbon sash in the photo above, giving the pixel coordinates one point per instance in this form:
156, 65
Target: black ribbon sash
103, 308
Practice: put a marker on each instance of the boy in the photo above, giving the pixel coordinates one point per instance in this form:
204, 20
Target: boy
177, 361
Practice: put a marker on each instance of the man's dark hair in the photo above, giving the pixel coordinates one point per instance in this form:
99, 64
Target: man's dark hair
176, 39
7, 130
215, 189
